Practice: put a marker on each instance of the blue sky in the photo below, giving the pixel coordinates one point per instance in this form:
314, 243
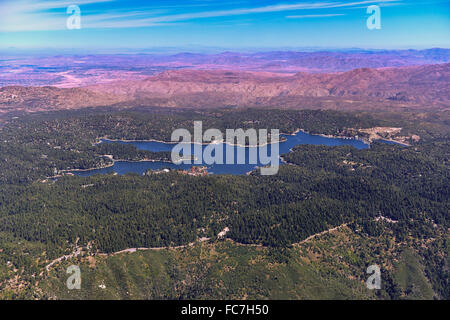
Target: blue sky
229, 24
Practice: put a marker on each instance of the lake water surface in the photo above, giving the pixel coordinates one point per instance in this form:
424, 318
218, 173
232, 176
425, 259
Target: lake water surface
123, 167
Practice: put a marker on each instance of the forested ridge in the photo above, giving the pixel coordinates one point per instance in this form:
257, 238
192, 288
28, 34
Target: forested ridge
320, 187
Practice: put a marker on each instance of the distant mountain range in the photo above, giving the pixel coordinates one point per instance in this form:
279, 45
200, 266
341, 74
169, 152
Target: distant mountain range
67, 71
418, 87
321, 61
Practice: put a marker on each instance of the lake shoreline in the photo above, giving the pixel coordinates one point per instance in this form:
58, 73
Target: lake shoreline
358, 142
109, 165
293, 133
99, 141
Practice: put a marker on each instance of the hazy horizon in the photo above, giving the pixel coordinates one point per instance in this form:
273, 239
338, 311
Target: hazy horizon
200, 50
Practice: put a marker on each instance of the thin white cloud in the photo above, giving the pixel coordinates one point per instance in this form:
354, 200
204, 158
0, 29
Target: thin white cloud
27, 15
246, 11
265, 9
22, 6
302, 16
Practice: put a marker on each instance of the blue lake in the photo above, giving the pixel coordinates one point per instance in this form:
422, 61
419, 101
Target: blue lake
123, 167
